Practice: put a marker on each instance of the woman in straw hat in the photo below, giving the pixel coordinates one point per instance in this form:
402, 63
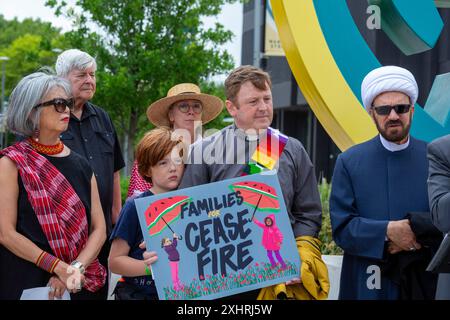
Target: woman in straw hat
185, 109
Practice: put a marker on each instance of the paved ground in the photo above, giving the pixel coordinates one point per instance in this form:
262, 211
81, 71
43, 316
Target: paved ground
334, 264
112, 284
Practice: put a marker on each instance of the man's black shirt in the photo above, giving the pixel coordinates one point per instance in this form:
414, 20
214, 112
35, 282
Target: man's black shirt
94, 137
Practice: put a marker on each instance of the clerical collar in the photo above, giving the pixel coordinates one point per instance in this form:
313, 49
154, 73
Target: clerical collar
240, 133
393, 147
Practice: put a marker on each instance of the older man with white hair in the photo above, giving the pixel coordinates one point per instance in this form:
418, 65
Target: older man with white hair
91, 133
379, 192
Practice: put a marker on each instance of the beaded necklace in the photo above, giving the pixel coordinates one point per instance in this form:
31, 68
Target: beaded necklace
45, 149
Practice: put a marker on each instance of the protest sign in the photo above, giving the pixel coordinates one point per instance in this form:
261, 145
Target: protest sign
219, 239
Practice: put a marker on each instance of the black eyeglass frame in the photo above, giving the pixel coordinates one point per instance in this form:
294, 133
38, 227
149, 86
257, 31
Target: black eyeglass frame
59, 104
385, 110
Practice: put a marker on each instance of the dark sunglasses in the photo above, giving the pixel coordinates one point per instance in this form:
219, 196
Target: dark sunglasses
184, 107
60, 104
386, 110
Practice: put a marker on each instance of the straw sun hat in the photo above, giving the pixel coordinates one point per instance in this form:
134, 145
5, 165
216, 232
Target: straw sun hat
157, 112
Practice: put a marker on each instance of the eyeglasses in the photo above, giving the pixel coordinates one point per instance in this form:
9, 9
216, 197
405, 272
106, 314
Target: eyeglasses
386, 110
60, 104
184, 107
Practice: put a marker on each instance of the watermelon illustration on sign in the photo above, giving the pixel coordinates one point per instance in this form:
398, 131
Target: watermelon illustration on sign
258, 195
160, 214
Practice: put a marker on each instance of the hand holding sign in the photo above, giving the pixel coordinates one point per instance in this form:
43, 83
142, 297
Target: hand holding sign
224, 253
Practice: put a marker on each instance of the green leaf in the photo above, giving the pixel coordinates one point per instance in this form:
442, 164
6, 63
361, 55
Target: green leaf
144, 47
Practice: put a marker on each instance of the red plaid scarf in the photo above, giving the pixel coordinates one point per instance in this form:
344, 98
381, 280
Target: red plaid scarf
137, 183
60, 212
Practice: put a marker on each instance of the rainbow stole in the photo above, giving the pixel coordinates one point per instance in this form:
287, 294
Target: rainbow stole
267, 152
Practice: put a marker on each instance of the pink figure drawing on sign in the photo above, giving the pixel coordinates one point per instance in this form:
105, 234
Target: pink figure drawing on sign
272, 239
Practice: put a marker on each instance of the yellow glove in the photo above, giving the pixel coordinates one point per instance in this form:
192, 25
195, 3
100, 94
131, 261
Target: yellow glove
314, 272
314, 275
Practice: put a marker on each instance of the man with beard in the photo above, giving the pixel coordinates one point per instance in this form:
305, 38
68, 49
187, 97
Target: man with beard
376, 186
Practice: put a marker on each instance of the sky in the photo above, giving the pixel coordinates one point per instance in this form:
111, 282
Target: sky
231, 18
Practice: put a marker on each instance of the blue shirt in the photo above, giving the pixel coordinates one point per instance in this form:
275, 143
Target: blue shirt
128, 229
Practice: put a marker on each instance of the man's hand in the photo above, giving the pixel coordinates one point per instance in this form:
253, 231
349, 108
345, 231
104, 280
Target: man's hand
393, 248
401, 235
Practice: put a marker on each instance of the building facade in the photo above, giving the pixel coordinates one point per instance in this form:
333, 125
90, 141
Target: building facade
292, 114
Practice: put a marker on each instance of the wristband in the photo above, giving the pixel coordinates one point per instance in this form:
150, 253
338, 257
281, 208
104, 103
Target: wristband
47, 262
148, 272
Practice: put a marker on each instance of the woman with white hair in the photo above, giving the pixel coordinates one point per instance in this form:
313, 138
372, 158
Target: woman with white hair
51, 220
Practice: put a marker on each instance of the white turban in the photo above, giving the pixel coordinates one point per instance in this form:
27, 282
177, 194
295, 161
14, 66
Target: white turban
388, 78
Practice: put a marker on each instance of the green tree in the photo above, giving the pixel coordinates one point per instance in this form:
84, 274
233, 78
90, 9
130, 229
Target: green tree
29, 45
13, 29
26, 55
329, 247
143, 47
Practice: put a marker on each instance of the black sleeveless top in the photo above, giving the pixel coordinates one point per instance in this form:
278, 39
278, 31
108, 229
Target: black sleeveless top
17, 274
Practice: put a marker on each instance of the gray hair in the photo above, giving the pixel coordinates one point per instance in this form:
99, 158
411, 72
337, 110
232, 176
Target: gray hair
73, 59
22, 118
